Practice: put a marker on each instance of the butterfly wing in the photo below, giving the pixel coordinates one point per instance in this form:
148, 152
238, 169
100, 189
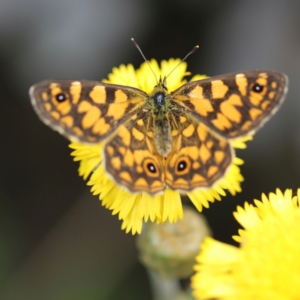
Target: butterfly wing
198, 157
84, 111
131, 158
236, 104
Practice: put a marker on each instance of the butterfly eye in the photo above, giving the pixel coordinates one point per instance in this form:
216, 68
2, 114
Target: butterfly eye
257, 88
61, 97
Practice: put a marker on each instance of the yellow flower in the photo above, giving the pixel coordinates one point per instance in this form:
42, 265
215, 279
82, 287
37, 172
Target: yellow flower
267, 264
133, 209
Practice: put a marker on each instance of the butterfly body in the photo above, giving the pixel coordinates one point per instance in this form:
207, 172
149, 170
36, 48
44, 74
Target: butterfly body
157, 104
178, 140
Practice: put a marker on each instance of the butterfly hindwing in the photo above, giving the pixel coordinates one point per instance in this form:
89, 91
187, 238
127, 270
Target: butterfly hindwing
198, 158
131, 158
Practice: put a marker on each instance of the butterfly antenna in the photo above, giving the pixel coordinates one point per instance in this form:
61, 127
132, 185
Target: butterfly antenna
144, 57
190, 53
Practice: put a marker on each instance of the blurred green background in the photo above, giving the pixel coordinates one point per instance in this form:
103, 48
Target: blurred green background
56, 240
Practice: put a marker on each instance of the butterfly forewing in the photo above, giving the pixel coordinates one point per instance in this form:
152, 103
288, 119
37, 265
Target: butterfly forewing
84, 111
234, 104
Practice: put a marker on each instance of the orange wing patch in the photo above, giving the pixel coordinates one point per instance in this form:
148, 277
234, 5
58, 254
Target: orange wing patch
98, 94
219, 89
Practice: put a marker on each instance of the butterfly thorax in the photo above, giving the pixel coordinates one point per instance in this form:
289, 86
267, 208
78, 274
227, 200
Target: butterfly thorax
159, 105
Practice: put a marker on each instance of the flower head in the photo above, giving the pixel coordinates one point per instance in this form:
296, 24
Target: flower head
267, 264
133, 209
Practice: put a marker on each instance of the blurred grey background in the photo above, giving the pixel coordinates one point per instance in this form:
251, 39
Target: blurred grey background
56, 240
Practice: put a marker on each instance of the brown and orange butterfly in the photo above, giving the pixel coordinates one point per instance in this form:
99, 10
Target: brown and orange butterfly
178, 140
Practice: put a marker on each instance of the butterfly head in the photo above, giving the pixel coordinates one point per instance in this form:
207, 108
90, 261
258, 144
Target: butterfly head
158, 98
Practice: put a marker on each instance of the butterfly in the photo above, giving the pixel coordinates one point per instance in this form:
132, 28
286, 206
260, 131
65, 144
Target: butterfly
178, 140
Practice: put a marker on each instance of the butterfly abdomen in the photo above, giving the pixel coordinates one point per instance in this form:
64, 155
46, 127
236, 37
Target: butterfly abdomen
162, 136
159, 105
